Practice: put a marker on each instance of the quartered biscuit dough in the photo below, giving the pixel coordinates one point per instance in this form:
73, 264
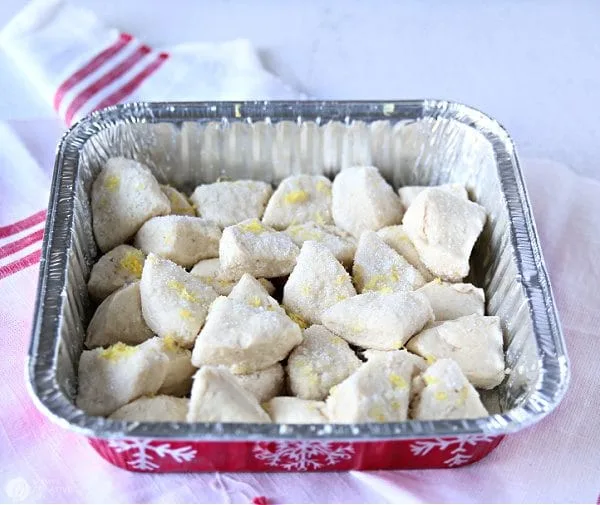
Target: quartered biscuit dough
397, 238
174, 302
153, 409
180, 205
119, 319
184, 240
451, 301
218, 397
409, 193
445, 393
112, 377
124, 196
252, 292
178, 379
379, 391
209, 272
362, 200
379, 320
251, 247
320, 362
444, 228
263, 384
378, 267
243, 337
229, 202
290, 410
474, 342
298, 199
341, 244
317, 282
121, 265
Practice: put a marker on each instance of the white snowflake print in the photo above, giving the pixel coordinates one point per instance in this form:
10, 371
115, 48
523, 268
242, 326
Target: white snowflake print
302, 455
459, 455
145, 453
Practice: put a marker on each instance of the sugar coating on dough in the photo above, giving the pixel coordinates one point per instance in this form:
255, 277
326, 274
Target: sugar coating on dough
379, 320
444, 229
264, 384
320, 362
230, 202
174, 302
243, 337
180, 205
124, 196
184, 240
218, 397
153, 409
290, 410
379, 391
251, 247
446, 393
474, 342
119, 266
341, 244
397, 238
112, 377
317, 282
178, 379
252, 292
415, 359
119, 319
451, 301
209, 272
408, 194
378, 267
299, 199
362, 200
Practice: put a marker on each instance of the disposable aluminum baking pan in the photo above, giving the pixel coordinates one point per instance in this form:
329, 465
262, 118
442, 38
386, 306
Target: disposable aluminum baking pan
422, 142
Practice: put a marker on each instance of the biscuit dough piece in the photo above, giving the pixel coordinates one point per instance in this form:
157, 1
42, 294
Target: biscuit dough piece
397, 238
229, 202
263, 384
112, 377
320, 362
119, 319
377, 267
153, 409
298, 199
244, 338
209, 272
180, 205
341, 244
416, 360
317, 282
446, 394
444, 229
474, 342
408, 194
174, 302
362, 200
124, 196
379, 320
252, 292
218, 397
451, 301
178, 380
253, 248
184, 240
290, 410
121, 265
379, 391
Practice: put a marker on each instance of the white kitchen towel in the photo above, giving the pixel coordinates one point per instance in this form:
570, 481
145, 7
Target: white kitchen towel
80, 65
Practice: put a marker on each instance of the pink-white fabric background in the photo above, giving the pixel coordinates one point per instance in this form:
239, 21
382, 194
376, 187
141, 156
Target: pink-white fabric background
557, 460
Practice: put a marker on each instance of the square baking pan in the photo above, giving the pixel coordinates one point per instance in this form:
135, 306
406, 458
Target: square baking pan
421, 142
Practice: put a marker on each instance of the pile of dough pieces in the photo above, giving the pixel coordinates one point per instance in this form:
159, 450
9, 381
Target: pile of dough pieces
315, 302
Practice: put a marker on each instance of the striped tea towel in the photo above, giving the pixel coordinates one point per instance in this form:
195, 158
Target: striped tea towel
79, 65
